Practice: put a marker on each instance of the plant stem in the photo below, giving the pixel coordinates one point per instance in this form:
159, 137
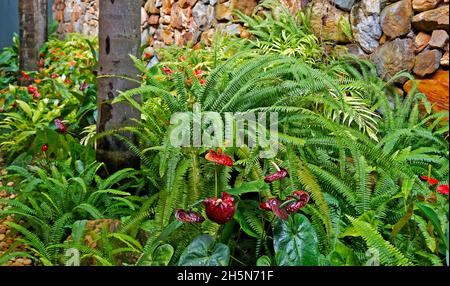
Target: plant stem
215, 182
237, 260
287, 202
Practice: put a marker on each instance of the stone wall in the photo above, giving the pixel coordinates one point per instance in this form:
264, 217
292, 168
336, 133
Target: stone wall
397, 35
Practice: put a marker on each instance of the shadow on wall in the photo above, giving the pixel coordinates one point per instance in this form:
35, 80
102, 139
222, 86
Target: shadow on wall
9, 20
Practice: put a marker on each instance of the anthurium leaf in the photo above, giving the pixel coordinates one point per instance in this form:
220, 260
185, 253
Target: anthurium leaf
161, 256
251, 187
204, 252
295, 242
264, 261
433, 217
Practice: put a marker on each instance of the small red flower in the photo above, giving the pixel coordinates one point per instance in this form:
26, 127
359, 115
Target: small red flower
68, 81
32, 89
167, 70
198, 73
25, 75
36, 95
54, 75
60, 125
84, 86
42, 55
203, 81
280, 174
431, 181
302, 200
443, 189
188, 216
44, 148
220, 210
273, 205
147, 56
219, 158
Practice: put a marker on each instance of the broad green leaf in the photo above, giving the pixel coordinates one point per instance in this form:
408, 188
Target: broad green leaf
264, 261
295, 242
204, 252
251, 187
432, 216
161, 257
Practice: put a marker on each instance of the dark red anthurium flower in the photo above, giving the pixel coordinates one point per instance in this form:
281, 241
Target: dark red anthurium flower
443, 189
44, 147
32, 89
188, 216
60, 125
273, 205
167, 70
219, 158
220, 210
302, 199
431, 181
280, 174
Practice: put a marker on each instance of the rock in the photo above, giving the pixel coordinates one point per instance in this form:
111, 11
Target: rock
224, 11
144, 16
427, 62
432, 20
233, 29
166, 7
438, 39
295, 5
325, 21
396, 18
150, 7
371, 6
246, 7
2, 237
344, 4
394, 56
167, 37
365, 28
180, 17
421, 41
186, 3
424, 5
153, 19
435, 88
444, 60
200, 15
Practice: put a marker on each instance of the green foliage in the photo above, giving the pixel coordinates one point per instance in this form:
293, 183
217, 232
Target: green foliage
203, 251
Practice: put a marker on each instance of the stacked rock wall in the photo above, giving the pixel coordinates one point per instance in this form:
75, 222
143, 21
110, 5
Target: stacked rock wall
396, 35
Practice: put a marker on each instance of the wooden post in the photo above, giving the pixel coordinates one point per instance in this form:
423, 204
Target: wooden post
119, 36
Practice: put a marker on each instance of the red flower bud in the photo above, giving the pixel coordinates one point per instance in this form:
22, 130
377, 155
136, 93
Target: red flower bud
220, 210
443, 189
188, 216
219, 158
44, 147
302, 200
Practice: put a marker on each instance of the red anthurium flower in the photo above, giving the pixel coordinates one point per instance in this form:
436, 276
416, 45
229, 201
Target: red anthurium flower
60, 125
44, 148
167, 70
302, 200
219, 158
443, 189
280, 174
220, 210
188, 216
32, 89
198, 73
431, 181
273, 205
